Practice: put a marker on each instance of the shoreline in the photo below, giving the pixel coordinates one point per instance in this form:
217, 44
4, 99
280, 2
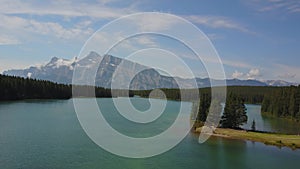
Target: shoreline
279, 140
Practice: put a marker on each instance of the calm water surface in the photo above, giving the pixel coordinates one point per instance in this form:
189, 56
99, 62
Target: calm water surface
272, 124
47, 134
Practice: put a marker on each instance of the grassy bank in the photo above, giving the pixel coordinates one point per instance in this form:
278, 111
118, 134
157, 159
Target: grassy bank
280, 140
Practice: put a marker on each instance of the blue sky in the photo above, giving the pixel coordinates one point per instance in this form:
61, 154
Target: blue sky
254, 38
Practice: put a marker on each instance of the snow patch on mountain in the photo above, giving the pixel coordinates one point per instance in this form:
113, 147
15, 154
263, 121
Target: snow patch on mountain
58, 62
279, 83
29, 74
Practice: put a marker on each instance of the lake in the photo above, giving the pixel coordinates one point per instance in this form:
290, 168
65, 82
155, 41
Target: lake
47, 134
271, 124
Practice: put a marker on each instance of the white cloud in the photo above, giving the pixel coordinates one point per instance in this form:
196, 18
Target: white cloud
254, 73
52, 28
19, 27
237, 74
23, 28
217, 22
275, 71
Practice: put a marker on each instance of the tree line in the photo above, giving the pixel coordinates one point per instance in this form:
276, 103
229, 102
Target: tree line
250, 94
283, 102
277, 101
245, 94
18, 88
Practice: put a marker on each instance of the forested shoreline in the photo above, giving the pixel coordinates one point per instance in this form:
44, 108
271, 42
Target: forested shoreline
283, 102
275, 101
18, 88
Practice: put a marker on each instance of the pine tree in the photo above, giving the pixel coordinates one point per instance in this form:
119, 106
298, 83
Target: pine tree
203, 107
253, 126
234, 112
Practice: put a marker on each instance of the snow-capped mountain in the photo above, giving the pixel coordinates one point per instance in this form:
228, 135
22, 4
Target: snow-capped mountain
57, 70
279, 83
61, 71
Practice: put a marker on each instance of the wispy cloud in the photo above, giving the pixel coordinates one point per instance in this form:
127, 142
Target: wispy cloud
287, 75
21, 18
287, 6
19, 27
13, 63
64, 8
227, 62
117, 44
286, 71
218, 22
214, 36
7, 40
153, 22
236, 63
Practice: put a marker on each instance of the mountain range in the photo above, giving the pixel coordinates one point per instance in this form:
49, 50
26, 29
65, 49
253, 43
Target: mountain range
61, 71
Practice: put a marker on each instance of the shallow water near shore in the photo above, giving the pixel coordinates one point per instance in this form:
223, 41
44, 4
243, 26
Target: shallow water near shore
47, 134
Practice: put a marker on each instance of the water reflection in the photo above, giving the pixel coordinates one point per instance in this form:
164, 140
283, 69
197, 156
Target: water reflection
264, 123
254, 113
223, 153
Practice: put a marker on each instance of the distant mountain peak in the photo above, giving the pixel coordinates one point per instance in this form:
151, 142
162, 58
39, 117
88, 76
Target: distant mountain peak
61, 71
58, 62
54, 59
92, 55
279, 83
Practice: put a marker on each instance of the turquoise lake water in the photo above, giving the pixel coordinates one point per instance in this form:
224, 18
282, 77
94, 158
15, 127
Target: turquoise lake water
47, 134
